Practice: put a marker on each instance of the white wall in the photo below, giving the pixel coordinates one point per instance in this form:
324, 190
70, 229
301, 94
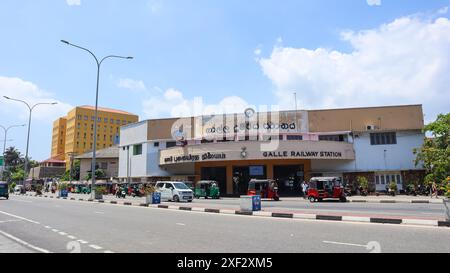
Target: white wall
377, 157
131, 135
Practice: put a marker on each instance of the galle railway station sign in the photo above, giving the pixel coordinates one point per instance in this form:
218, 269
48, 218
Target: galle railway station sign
253, 150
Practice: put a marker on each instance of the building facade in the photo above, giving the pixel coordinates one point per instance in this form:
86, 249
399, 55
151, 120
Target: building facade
79, 130
289, 146
59, 138
106, 160
50, 168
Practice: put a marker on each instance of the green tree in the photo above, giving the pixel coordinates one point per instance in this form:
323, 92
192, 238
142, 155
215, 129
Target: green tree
19, 175
99, 173
434, 155
75, 172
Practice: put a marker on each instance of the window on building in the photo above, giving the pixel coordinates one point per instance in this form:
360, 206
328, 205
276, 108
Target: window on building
86, 117
90, 146
110, 138
92, 126
105, 120
383, 138
80, 117
340, 138
104, 165
84, 136
294, 137
84, 145
171, 144
156, 144
93, 118
118, 121
104, 137
79, 125
111, 121
117, 130
137, 149
124, 122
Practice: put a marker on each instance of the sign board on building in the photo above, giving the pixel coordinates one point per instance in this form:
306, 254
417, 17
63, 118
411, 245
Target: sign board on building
2, 161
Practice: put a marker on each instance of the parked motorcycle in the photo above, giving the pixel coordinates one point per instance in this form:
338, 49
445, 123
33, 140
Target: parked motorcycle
121, 194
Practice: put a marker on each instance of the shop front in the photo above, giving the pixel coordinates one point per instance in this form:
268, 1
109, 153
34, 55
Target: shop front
234, 164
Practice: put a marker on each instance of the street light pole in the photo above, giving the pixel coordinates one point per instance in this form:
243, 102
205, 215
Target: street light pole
94, 150
6, 129
296, 117
30, 108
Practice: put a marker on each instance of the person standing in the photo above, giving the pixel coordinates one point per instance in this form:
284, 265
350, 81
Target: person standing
304, 189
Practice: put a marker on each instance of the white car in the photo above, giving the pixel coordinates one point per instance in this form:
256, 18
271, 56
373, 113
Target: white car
174, 191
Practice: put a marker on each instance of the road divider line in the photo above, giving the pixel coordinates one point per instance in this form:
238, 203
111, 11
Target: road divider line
346, 244
62, 233
20, 217
96, 247
22, 242
82, 242
71, 237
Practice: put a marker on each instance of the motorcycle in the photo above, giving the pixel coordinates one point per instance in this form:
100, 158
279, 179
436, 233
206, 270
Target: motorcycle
121, 194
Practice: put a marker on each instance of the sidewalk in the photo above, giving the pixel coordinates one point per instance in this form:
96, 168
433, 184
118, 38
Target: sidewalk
294, 213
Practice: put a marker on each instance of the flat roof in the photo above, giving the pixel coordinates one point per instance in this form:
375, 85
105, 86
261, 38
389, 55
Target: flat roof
104, 109
286, 111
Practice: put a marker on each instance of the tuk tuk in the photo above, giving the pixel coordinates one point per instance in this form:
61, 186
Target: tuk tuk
190, 185
321, 188
4, 191
266, 188
207, 189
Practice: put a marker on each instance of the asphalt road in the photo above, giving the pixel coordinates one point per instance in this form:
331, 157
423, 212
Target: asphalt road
299, 205
63, 226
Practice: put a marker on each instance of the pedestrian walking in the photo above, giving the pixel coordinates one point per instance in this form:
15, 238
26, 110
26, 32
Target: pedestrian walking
434, 190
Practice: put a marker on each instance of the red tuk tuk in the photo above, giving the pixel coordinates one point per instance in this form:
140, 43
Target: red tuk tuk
326, 188
266, 188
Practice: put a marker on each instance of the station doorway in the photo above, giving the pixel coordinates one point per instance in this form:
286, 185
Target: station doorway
218, 174
243, 174
289, 179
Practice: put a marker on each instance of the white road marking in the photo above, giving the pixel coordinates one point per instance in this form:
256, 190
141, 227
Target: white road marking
347, 244
71, 237
62, 233
23, 242
96, 247
99, 212
181, 224
9, 221
108, 251
19, 217
48, 227
83, 242
55, 230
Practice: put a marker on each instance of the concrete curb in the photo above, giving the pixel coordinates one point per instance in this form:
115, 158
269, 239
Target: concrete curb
318, 217
387, 201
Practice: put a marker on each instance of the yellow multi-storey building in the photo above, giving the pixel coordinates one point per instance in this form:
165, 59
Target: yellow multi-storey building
78, 130
59, 138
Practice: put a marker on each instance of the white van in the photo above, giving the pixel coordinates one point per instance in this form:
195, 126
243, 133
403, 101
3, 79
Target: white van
174, 191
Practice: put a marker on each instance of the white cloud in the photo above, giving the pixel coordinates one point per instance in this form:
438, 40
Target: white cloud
405, 61
73, 2
443, 10
173, 103
27, 91
131, 84
374, 2
257, 51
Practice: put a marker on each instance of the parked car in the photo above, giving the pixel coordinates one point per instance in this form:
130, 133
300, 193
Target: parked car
4, 190
174, 191
19, 189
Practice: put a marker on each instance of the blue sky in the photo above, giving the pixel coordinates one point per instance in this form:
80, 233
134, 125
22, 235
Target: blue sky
229, 53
